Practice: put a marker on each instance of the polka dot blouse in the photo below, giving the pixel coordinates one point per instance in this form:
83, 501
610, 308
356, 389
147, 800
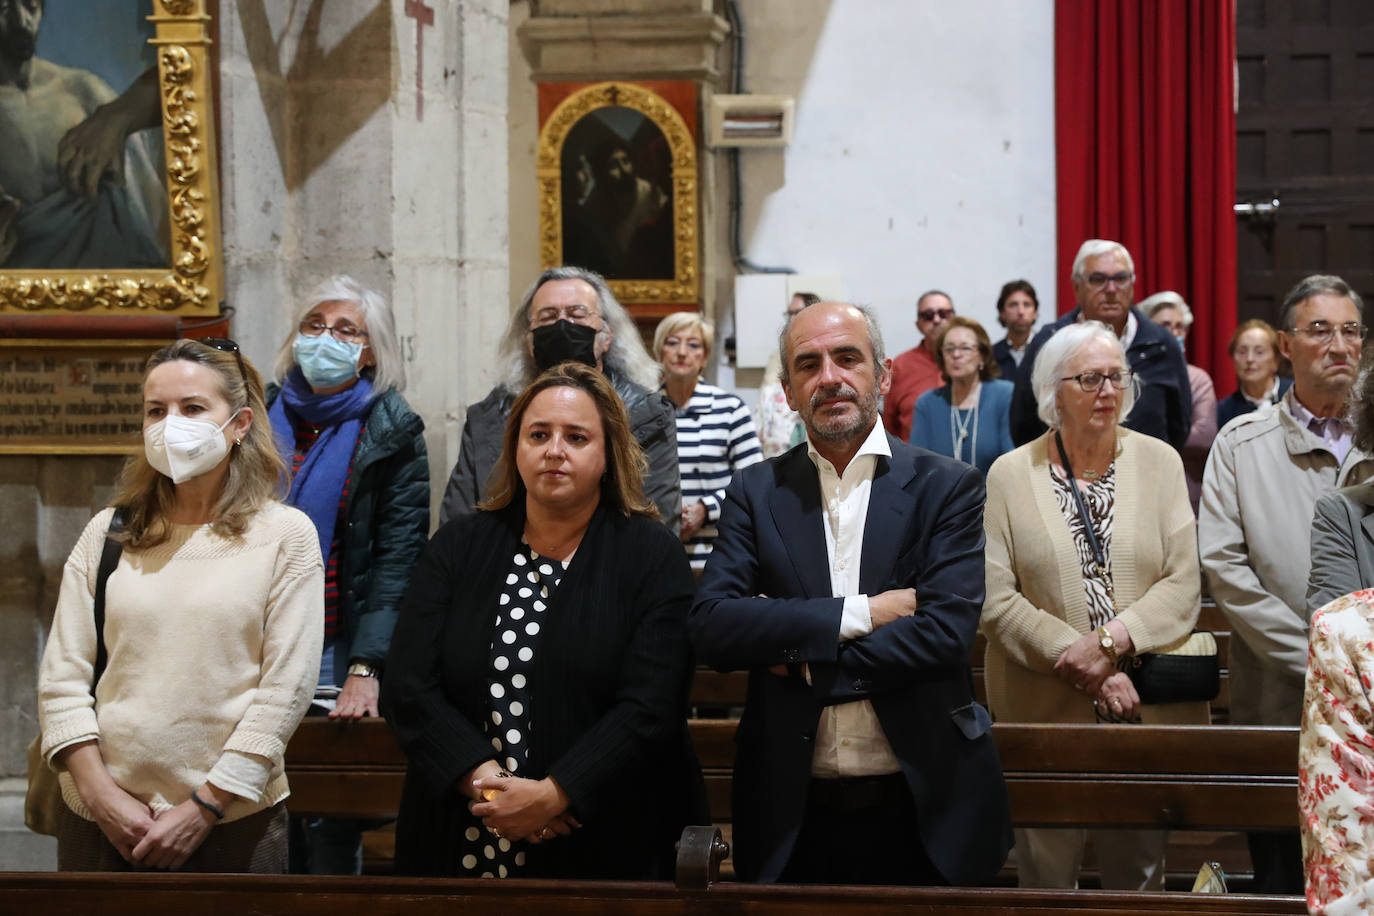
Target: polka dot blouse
531, 581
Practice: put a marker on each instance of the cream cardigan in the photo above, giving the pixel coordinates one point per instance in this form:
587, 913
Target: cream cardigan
214, 649
1035, 606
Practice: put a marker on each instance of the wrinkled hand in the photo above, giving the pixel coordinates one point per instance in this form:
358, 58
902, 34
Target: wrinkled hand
1118, 697
1084, 666
123, 819
174, 836
524, 807
358, 698
892, 605
693, 517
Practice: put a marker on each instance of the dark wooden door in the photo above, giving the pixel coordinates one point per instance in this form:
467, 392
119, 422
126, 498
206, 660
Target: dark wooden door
1305, 137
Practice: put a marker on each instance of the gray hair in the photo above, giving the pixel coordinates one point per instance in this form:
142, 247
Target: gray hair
875, 338
1316, 285
626, 354
1168, 299
1093, 248
933, 292
390, 372
1054, 356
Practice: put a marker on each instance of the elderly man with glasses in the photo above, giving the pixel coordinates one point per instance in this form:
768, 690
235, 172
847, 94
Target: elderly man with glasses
1264, 476
569, 313
916, 371
1104, 285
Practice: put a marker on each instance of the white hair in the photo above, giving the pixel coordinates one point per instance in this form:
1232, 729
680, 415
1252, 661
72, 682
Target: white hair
625, 355
389, 371
1093, 248
1167, 299
1048, 372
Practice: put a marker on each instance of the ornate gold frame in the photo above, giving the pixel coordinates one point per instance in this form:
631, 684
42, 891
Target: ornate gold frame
193, 283
685, 285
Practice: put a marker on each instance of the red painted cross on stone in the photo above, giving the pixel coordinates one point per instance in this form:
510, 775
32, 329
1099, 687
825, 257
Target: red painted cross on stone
423, 16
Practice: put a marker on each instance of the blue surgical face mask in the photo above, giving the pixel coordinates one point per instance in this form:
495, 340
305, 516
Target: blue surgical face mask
326, 362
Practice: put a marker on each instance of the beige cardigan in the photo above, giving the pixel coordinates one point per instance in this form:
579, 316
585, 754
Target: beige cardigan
1035, 605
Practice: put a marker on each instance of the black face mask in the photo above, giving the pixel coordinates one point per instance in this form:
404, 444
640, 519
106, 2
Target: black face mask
562, 342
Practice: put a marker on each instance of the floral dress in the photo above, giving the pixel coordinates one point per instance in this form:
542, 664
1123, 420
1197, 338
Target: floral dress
1336, 758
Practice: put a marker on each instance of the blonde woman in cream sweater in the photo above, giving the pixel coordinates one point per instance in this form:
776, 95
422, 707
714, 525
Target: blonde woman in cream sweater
213, 627
1056, 621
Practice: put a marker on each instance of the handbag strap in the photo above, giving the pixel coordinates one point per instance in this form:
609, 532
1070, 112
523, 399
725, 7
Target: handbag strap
109, 558
1098, 557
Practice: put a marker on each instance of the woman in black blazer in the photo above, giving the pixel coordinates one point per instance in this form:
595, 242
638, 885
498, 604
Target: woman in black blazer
537, 679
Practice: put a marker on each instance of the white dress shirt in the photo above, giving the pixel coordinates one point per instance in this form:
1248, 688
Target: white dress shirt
849, 738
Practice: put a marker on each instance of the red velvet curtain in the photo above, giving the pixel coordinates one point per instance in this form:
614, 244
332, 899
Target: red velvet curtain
1145, 141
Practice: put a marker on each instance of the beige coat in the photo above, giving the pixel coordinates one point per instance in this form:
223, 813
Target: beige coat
1258, 495
1035, 606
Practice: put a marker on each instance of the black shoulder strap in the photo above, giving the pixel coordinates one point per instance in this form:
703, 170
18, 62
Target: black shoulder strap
109, 558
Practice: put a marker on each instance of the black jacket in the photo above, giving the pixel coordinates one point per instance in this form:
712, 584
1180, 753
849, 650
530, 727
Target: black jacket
653, 423
386, 523
1165, 406
608, 693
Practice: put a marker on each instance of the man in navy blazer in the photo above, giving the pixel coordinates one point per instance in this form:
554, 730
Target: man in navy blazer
848, 579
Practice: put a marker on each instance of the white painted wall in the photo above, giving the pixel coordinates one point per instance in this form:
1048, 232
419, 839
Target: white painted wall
923, 154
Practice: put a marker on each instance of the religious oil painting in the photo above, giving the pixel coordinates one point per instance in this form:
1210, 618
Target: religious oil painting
108, 198
618, 189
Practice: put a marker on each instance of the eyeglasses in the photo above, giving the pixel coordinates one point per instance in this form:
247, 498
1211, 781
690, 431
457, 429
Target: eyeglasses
957, 349
343, 332
225, 345
1092, 381
1098, 281
935, 314
574, 313
1323, 332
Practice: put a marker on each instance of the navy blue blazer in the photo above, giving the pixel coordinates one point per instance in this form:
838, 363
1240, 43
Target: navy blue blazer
924, 530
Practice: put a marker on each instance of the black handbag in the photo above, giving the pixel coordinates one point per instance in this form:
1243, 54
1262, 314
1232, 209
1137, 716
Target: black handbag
1187, 671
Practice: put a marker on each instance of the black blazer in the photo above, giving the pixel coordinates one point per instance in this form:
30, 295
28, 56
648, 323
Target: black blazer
924, 530
608, 695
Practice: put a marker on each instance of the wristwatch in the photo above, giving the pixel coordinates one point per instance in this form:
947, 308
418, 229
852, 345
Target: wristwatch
363, 669
1104, 639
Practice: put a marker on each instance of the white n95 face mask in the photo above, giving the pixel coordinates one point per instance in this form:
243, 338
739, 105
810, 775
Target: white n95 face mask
183, 447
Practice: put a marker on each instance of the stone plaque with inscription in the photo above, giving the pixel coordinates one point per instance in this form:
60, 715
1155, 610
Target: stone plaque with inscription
67, 397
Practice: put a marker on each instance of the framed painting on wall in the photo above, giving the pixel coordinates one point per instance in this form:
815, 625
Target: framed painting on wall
109, 197
617, 166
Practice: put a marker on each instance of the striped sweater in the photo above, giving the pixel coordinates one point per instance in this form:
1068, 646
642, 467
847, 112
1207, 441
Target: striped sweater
715, 438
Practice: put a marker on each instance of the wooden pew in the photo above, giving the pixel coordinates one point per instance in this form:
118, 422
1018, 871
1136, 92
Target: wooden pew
1181, 777
301, 895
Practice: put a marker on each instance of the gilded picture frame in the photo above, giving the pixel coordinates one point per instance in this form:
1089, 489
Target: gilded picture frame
186, 275
636, 223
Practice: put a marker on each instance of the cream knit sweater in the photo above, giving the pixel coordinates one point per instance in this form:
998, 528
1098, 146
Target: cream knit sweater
1035, 606
214, 651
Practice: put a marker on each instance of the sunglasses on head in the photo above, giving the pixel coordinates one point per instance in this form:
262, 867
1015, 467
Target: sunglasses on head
225, 345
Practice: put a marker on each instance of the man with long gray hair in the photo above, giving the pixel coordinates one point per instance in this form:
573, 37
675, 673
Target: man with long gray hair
569, 313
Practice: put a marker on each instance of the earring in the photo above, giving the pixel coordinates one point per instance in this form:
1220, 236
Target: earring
238, 441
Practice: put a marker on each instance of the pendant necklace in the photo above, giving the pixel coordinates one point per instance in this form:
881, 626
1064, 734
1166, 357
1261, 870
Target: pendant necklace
961, 423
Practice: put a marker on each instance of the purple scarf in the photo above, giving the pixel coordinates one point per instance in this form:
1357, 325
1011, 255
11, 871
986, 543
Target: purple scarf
319, 483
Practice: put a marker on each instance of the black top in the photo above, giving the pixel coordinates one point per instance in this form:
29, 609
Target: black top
608, 689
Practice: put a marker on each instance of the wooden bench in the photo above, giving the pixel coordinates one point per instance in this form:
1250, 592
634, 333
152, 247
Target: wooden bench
300, 895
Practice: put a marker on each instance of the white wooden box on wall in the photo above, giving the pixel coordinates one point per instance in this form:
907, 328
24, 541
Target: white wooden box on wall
760, 302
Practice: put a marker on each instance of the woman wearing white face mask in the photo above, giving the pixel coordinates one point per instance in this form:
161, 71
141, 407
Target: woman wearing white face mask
358, 468
167, 723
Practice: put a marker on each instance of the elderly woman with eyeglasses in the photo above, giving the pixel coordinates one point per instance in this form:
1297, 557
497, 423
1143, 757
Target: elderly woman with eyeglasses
357, 467
968, 417
1091, 558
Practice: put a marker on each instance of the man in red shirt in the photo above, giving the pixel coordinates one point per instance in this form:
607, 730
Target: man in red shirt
915, 372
